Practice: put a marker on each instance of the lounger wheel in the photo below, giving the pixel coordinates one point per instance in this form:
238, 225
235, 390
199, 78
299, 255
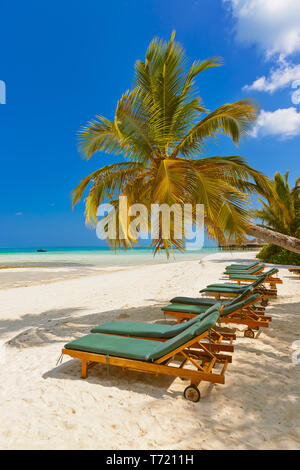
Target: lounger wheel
249, 333
264, 303
192, 393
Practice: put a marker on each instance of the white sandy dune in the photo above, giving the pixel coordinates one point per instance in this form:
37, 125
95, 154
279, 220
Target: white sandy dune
47, 406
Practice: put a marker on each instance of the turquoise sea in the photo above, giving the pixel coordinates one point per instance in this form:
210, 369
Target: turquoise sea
93, 256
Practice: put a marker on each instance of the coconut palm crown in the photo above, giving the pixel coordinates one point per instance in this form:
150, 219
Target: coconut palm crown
282, 212
162, 131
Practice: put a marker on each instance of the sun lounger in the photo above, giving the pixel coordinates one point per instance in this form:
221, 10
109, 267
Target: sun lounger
266, 278
295, 271
219, 291
155, 357
269, 278
160, 332
256, 270
201, 301
236, 312
243, 266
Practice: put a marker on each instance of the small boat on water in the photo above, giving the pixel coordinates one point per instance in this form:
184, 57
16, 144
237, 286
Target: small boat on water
40, 250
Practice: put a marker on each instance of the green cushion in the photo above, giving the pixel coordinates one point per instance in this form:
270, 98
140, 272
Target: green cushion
201, 301
110, 345
243, 266
258, 280
140, 349
243, 276
229, 286
241, 271
238, 305
150, 330
189, 308
196, 329
220, 290
243, 295
132, 329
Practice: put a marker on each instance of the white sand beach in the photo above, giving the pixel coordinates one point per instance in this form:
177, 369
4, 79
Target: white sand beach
45, 406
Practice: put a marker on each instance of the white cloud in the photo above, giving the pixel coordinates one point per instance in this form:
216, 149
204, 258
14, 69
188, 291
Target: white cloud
282, 123
283, 76
274, 25
19, 213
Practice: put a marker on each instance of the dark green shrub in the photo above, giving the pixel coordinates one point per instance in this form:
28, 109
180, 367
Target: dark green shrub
275, 254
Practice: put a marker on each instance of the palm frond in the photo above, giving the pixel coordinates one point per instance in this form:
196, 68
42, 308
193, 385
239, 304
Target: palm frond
233, 119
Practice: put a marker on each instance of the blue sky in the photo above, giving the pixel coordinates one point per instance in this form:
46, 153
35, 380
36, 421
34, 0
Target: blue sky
64, 62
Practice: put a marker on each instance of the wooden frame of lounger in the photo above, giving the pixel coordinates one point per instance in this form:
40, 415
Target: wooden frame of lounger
203, 371
245, 316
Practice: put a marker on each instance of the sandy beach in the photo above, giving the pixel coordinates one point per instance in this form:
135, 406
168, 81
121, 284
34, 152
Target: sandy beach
44, 405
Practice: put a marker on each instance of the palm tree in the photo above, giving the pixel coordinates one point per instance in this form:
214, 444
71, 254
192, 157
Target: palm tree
162, 130
282, 212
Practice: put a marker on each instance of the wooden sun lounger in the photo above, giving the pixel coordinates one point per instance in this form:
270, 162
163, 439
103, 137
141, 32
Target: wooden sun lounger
246, 267
242, 280
194, 364
220, 291
218, 295
240, 314
247, 292
255, 270
295, 271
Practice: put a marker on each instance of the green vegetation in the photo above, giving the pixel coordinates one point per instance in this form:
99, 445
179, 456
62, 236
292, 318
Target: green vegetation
275, 254
281, 213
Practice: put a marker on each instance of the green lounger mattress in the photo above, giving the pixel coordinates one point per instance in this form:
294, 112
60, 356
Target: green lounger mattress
190, 308
249, 271
221, 290
150, 330
198, 300
243, 266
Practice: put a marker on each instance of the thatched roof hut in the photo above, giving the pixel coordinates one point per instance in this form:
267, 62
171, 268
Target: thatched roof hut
254, 244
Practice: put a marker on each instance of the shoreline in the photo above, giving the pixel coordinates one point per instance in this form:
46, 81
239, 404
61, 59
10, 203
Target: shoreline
30, 275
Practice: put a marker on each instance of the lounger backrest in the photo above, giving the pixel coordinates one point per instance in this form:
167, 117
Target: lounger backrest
242, 296
267, 273
238, 305
176, 329
193, 331
271, 271
257, 282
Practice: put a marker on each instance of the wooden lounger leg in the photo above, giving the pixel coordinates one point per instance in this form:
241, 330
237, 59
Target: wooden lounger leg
195, 382
84, 369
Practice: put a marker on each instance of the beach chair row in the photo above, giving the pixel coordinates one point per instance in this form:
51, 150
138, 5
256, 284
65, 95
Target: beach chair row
195, 348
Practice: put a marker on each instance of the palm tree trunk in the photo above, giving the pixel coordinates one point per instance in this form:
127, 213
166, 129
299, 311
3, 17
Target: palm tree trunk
285, 241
